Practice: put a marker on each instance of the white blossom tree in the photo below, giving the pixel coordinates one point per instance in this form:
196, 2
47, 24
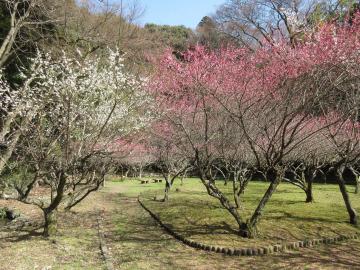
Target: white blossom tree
83, 107
18, 107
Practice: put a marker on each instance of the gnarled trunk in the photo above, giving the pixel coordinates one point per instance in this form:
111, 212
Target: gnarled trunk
213, 191
351, 211
169, 181
357, 179
50, 213
243, 187
248, 228
240, 182
236, 190
183, 175
167, 190
50, 226
309, 193
357, 185
309, 177
274, 176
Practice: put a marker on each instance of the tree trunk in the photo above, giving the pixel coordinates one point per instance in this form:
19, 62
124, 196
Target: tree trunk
309, 193
345, 195
50, 213
167, 189
243, 185
274, 177
357, 179
182, 177
237, 201
357, 184
309, 176
236, 189
213, 191
50, 227
166, 193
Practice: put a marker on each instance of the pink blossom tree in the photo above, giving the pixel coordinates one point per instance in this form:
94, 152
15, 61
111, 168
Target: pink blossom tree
182, 91
306, 163
344, 139
235, 158
280, 98
289, 92
166, 147
132, 153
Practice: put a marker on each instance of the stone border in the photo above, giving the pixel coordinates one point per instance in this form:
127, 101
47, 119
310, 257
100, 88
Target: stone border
103, 248
248, 251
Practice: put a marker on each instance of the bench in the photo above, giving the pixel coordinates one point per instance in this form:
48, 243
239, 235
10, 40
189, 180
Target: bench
157, 180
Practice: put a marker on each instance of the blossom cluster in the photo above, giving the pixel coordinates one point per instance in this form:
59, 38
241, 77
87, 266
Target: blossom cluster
76, 106
278, 95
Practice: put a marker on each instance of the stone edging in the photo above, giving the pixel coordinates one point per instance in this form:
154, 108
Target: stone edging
104, 250
248, 251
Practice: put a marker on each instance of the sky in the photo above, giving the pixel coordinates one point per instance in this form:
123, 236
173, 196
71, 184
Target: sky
177, 12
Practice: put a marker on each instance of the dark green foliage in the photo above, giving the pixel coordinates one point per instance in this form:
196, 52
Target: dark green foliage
28, 39
340, 10
209, 35
4, 21
176, 37
2, 213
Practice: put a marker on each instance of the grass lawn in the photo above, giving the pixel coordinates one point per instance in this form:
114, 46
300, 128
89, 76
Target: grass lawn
135, 241
193, 213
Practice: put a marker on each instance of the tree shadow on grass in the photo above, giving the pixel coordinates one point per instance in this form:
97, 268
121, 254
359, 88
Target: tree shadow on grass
22, 235
149, 237
287, 202
208, 229
180, 204
136, 231
280, 215
338, 256
142, 228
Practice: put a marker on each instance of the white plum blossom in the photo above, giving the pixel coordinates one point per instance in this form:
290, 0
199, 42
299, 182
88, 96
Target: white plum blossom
19, 105
294, 19
95, 99
80, 107
5, 94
